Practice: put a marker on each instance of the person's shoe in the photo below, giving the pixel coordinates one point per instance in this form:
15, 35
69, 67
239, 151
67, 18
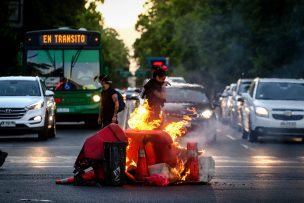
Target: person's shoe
3, 156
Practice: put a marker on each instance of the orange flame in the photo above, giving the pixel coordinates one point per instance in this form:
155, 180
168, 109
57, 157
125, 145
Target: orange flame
186, 175
176, 129
139, 118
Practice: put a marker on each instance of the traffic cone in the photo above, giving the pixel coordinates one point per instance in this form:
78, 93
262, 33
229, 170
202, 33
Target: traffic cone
150, 153
192, 161
65, 181
142, 168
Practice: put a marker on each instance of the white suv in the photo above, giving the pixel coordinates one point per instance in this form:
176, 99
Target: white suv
274, 107
26, 106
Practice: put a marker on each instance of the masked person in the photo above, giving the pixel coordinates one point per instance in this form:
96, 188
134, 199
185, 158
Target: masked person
154, 92
3, 156
109, 103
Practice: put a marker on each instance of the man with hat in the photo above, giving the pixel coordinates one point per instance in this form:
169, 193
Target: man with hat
109, 103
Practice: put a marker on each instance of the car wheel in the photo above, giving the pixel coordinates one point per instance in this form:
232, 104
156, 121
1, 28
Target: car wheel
43, 133
252, 136
52, 130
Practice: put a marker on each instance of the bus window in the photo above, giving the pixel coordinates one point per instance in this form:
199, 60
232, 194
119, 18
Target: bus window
81, 67
45, 62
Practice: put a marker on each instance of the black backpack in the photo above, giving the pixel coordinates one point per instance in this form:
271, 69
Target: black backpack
121, 101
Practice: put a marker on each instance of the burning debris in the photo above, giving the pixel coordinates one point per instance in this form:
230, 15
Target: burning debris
154, 149
147, 153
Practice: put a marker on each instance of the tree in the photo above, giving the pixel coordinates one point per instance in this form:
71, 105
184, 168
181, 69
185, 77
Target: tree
44, 14
214, 42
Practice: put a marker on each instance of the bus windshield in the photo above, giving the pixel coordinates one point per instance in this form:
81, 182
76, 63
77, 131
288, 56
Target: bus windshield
65, 69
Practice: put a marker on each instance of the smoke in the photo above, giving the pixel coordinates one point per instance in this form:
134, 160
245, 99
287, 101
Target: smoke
203, 135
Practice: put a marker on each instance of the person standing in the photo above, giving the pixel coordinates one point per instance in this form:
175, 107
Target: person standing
154, 92
109, 103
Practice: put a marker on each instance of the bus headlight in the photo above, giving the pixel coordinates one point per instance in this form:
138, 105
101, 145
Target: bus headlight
96, 98
207, 113
36, 105
261, 111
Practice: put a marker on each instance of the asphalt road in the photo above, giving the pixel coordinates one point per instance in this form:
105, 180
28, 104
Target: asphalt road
271, 170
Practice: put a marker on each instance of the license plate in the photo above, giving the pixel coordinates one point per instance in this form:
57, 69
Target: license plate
288, 124
63, 110
7, 124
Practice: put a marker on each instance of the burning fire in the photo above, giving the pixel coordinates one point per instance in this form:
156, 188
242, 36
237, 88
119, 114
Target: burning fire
140, 118
176, 129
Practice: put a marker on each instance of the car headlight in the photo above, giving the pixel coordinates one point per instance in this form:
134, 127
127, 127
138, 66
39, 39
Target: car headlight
261, 111
207, 113
96, 98
36, 105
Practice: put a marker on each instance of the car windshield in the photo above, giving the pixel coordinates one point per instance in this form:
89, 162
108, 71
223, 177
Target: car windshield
280, 91
186, 95
19, 88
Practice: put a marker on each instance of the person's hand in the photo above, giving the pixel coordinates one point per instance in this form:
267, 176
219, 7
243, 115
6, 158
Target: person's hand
114, 119
99, 120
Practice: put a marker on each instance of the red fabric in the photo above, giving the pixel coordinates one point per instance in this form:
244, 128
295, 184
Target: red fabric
93, 146
157, 180
165, 151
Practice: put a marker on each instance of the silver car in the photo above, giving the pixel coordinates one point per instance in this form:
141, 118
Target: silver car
274, 107
26, 106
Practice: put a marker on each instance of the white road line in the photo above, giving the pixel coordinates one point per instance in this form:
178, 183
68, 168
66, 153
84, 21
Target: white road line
258, 166
247, 147
218, 130
230, 137
41, 159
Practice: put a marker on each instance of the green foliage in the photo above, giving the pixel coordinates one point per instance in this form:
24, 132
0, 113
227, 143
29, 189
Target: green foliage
44, 14
214, 42
115, 55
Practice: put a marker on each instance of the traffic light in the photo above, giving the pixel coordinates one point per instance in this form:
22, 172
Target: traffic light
153, 62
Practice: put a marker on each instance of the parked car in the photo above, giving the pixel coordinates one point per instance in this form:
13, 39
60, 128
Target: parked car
226, 102
191, 100
273, 107
242, 86
132, 93
26, 106
172, 79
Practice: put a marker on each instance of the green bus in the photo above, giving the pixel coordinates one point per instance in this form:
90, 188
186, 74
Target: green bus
67, 60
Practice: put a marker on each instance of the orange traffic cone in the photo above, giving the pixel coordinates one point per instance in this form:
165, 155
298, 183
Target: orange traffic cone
150, 152
65, 181
142, 168
192, 161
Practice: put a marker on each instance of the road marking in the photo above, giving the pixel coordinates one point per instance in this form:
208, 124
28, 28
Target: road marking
258, 166
218, 130
35, 200
41, 159
230, 137
247, 147
67, 162
45, 166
